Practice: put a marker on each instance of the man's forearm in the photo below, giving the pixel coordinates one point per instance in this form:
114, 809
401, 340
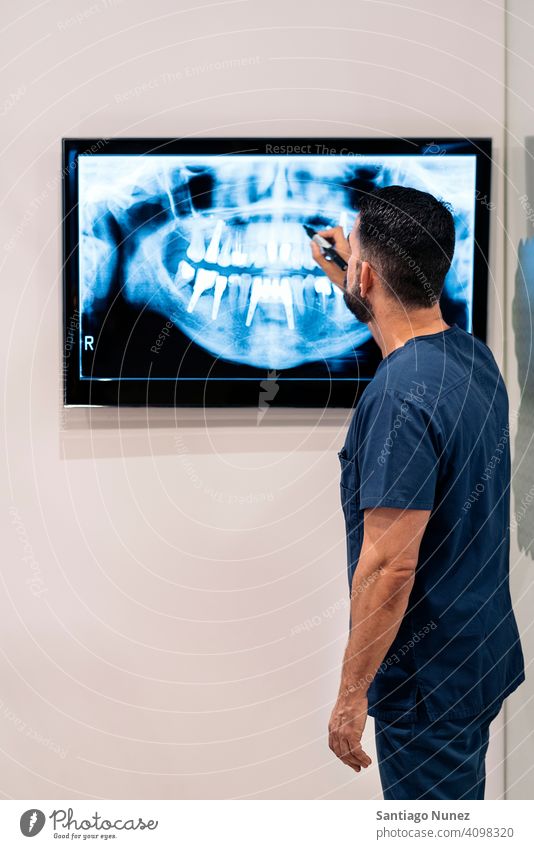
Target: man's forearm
379, 598
380, 592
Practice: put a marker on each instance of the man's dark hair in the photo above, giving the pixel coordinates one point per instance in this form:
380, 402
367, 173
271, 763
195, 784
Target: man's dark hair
409, 237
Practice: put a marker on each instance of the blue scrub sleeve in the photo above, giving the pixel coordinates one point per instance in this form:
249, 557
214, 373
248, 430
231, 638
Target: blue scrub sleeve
399, 450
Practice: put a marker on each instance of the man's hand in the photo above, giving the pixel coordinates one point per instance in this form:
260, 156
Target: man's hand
341, 245
346, 728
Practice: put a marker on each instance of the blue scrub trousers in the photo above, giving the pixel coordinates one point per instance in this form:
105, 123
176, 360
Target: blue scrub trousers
420, 758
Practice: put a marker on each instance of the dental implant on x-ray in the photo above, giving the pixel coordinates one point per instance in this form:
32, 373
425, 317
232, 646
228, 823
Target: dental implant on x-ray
221, 247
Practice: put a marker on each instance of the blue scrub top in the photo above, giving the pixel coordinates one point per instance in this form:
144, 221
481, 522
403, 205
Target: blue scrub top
431, 432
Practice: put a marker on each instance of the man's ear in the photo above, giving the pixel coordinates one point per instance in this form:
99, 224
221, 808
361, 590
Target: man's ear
366, 279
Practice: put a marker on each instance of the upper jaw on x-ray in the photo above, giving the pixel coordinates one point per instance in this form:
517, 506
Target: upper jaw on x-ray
216, 245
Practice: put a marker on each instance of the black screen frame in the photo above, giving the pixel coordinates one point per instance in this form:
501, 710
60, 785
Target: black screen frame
241, 393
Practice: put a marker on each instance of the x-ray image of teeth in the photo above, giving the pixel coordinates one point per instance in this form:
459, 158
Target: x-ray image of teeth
215, 245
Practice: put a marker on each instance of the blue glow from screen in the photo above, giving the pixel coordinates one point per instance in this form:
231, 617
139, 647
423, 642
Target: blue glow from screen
215, 244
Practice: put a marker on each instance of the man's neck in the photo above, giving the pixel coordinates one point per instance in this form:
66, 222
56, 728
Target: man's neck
393, 332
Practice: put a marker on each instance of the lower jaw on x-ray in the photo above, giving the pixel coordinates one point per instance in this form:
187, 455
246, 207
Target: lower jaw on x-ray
198, 266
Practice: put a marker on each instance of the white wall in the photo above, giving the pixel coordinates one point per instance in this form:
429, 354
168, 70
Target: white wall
520, 376
160, 650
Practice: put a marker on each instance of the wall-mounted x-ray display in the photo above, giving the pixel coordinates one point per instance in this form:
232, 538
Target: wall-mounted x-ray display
188, 272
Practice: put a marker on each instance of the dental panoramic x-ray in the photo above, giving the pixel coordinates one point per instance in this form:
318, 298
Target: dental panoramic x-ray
198, 267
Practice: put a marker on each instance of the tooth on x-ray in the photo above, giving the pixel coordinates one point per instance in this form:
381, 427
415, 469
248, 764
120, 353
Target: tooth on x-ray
213, 248
260, 257
307, 260
287, 300
196, 248
296, 257
272, 251
298, 293
239, 258
220, 285
323, 286
285, 252
203, 281
225, 255
255, 295
186, 272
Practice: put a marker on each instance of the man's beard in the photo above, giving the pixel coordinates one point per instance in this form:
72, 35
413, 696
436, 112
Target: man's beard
359, 307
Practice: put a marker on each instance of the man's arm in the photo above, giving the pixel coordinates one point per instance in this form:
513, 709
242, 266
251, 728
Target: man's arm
380, 590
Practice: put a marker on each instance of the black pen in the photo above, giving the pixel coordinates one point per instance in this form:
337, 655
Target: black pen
328, 251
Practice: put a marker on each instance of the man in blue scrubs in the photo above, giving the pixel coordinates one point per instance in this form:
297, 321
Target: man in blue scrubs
433, 647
